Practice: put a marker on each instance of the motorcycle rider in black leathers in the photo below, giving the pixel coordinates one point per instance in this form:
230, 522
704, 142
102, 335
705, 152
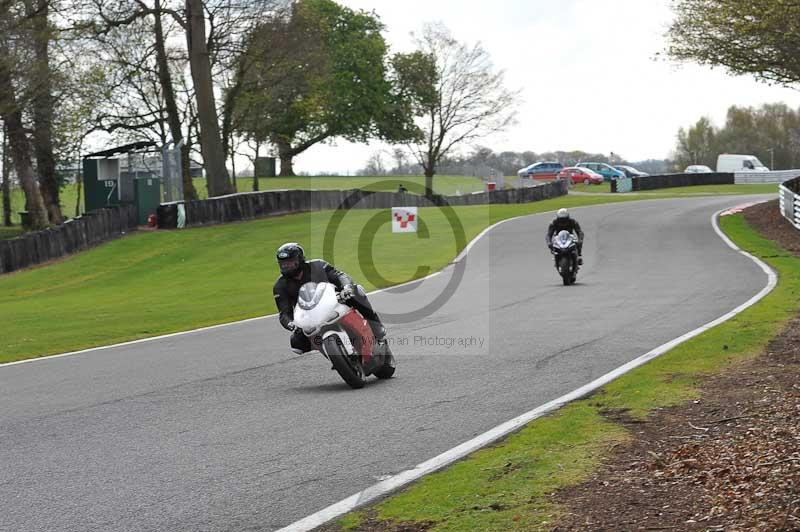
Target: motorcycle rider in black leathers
295, 272
564, 222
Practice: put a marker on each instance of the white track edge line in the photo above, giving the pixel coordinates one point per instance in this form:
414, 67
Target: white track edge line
460, 257
395, 482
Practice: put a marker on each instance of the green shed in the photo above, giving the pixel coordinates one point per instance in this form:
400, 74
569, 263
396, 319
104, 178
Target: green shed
105, 184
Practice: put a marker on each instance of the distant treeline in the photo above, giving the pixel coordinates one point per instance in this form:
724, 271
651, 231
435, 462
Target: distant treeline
484, 161
770, 132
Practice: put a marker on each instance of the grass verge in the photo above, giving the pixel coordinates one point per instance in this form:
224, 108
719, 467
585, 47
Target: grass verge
506, 486
153, 283
762, 188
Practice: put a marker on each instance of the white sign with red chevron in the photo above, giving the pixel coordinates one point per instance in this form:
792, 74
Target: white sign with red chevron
404, 219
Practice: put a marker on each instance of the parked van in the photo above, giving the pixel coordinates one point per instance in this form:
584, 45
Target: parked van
728, 162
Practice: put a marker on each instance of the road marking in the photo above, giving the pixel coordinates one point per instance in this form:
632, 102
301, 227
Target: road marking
737, 209
391, 484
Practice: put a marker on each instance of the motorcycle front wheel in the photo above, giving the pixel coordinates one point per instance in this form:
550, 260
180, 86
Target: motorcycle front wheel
348, 367
565, 270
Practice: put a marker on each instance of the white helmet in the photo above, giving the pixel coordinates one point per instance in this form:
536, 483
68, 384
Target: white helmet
562, 213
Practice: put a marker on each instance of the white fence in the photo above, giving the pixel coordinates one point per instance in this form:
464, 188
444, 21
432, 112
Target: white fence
790, 201
778, 176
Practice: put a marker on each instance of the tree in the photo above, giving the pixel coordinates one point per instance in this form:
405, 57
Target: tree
757, 37
217, 178
170, 101
212, 30
5, 185
697, 145
314, 73
400, 159
771, 132
375, 165
37, 14
19, 144
467, 100
135, 72
11, 112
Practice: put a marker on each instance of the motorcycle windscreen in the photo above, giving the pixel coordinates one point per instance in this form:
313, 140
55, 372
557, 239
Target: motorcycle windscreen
563, 239
310, 294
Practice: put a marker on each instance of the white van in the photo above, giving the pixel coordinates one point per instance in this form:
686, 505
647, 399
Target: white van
730, 163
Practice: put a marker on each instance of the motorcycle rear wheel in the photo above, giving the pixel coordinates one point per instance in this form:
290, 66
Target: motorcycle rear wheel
349, 368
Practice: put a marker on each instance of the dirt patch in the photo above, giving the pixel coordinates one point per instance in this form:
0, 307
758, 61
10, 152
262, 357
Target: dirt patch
767, 220
728, 461
371, 523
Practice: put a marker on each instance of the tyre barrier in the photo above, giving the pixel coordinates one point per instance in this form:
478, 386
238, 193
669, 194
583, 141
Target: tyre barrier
76, 234
252, 205
654, 182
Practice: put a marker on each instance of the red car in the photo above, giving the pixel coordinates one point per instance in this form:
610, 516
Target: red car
577, 174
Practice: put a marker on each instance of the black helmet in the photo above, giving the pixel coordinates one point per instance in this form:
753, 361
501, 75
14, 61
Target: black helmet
291, 258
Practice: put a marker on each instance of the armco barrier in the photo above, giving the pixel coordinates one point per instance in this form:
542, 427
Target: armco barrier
251, 205
74, 235
790, 201
776, 176
654, 182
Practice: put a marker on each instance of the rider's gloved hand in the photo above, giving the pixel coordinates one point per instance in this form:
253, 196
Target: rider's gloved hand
291, 326
348, 291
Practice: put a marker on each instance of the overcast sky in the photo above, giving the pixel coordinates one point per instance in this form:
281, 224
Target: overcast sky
587, 69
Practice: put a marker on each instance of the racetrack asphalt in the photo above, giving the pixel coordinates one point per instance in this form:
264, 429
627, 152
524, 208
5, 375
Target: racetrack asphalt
226, 429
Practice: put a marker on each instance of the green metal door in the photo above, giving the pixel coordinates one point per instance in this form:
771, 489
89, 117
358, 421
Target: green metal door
148, 197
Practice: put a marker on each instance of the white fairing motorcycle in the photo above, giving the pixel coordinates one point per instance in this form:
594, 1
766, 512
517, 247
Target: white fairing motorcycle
342, 334
564, 247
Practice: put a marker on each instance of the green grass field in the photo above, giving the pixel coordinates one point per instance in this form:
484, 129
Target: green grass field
158, 282
507, 486
444, 184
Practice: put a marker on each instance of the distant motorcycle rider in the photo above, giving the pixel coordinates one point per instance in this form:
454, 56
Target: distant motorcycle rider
564, 222
295, 272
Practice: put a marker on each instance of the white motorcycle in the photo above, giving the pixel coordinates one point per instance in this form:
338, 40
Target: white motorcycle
342, 334
564, 248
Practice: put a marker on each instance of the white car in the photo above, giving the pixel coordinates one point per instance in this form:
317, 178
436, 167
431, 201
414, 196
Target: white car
698, 169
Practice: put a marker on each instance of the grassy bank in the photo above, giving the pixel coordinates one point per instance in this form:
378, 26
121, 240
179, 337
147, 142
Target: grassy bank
506, 487
153, 283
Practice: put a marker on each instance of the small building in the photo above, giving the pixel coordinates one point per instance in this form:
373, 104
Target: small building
105, 184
